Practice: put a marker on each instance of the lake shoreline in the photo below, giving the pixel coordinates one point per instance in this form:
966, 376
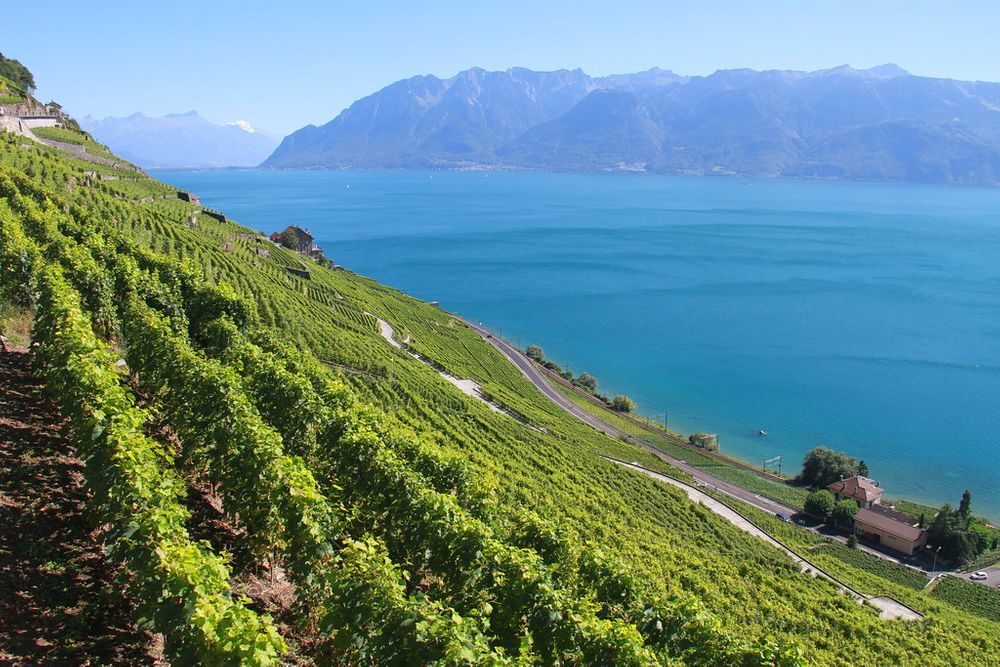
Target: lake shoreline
797, 492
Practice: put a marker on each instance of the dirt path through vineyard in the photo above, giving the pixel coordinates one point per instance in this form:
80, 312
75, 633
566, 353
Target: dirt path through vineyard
58, 601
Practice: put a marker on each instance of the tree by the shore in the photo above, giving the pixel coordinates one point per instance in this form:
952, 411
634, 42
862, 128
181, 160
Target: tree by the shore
622, 403
823, 466
587, 380
954, 532
709, 441
965, 507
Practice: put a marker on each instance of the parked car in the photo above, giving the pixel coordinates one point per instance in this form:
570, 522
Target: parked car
979, 576
783, 517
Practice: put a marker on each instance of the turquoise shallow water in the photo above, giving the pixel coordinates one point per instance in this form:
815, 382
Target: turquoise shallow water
862, 316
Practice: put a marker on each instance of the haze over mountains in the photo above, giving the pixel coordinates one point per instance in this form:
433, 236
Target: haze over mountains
184, 140
875, 124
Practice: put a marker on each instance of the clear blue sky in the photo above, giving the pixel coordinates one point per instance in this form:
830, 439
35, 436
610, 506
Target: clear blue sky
282, 65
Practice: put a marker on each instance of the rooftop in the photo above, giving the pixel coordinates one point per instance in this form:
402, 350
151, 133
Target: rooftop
893, 514
887, 524
858, 487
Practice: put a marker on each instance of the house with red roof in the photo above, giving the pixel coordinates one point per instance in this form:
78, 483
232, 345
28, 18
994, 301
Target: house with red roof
866, 491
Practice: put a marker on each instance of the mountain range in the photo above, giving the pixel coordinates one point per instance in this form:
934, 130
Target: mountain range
184, 140
876, 124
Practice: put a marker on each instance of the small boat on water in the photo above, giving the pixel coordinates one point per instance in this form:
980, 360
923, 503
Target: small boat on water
762, 433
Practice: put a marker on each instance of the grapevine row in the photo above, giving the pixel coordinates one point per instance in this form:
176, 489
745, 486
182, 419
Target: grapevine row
300, 401
181, 587
353, 592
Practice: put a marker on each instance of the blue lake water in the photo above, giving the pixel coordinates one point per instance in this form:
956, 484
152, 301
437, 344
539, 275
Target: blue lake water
865, 317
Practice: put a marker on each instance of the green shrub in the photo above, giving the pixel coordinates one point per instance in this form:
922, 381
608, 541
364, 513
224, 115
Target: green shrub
820, 504
622, 403
843, 512
823, 466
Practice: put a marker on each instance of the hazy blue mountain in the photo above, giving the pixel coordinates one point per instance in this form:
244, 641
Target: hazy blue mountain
181, 140
608, 129
877, 124
640, 81
427, 121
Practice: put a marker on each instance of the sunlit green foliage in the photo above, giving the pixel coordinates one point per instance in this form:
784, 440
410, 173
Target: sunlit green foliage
16, 73
182, 588
613, 545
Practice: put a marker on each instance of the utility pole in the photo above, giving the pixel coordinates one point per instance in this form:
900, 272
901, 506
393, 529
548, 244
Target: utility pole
655, 419
934, 566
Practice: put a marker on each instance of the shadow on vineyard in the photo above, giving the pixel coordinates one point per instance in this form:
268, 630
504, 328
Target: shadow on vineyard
267, 587
58, 600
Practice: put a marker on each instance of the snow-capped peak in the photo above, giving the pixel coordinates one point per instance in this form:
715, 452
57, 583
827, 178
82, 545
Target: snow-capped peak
243, 125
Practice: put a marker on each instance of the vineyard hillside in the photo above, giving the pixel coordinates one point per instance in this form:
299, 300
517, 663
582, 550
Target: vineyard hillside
374, 512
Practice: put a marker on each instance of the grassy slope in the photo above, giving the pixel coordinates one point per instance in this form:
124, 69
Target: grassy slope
680, 546
68, 135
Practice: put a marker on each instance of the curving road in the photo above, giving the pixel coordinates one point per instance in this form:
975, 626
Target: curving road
528, 369
537, 378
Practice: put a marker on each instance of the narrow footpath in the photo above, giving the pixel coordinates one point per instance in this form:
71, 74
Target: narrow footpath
887, 606
467, 387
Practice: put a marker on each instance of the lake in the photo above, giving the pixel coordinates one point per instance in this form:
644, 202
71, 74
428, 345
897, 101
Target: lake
865, 317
